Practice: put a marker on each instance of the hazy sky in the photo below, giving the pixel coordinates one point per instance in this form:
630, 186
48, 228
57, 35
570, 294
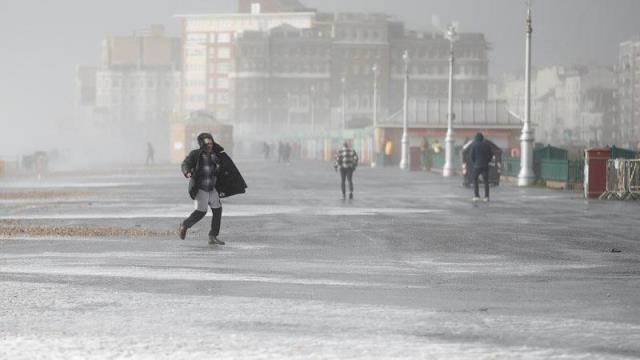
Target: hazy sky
43, 40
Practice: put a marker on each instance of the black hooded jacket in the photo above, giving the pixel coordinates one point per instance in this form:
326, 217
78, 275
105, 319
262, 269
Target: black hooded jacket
481, 153
229, 180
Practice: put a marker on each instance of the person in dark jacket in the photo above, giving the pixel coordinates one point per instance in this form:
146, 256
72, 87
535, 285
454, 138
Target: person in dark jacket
212, 175
481, 156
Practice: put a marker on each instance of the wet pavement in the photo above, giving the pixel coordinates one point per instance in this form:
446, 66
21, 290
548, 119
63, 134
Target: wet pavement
408, 269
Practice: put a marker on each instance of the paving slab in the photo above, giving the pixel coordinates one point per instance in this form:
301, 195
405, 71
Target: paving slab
91, 267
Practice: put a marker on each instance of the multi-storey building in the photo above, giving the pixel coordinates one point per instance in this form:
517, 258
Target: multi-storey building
209, 54
271, 6
324, 74
132, 95
628, 84
282, 79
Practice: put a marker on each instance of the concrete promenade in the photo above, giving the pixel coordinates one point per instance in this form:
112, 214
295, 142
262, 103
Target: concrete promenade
90, 267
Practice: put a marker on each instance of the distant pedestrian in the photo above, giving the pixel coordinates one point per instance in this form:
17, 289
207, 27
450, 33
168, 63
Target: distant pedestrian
427, 159
481, 156
346, 162
388, 152
286, 152
437, 147
150, 154
266, 150
213, 175
280, 151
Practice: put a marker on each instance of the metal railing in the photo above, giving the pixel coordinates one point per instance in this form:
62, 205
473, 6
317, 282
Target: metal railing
468, 113
623, 180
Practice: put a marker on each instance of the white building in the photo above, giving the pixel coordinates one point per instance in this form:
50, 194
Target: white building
570, 105
628, 84
208, 54
135, 93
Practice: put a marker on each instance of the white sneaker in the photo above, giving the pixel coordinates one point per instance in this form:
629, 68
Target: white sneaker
485, 199
476, 199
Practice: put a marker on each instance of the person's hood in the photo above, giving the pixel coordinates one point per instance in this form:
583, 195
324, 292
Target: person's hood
479, 137
216, 147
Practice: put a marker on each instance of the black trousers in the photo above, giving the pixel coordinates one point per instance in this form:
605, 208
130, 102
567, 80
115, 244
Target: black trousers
346, 174
198, 215
485, 177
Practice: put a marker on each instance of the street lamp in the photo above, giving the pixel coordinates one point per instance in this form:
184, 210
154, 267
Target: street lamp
269, 114
375, 114
404, 160
449, 141
526, 176
288, 111
343, 80
312, 103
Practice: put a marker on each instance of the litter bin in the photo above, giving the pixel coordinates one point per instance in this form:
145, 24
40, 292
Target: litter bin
595, 171
415, 158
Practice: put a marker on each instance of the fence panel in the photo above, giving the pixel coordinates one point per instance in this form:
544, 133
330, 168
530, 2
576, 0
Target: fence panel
576, 172
438, 160
623, 179
554, 170
510, 166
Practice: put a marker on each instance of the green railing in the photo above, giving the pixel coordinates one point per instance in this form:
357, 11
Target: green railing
554, 170
510, 166
576, 171
438, 161
568, 171
620, 153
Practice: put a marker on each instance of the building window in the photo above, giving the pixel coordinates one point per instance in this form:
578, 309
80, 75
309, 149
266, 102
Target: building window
196, 37
223, 83
224, 38
365, 101
353, 103
224, 68
222, 98
224, 53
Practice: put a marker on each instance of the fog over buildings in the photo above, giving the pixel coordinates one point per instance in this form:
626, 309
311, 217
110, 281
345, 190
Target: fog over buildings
45, 42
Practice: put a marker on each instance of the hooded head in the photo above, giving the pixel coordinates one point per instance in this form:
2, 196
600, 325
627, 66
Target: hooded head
205, 141
345, 145
479, 137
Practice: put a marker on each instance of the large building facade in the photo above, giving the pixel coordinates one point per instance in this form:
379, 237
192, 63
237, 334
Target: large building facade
209, 55
306, 70
132, 95
628, 84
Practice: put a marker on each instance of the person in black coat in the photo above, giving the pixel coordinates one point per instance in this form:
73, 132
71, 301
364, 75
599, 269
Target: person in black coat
481, 156
212, 175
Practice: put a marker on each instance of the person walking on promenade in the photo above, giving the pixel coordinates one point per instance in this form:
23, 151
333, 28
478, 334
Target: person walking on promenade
150, 154
388, 152
437, 147
426, 155
212, 175
481, 155
347, 162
